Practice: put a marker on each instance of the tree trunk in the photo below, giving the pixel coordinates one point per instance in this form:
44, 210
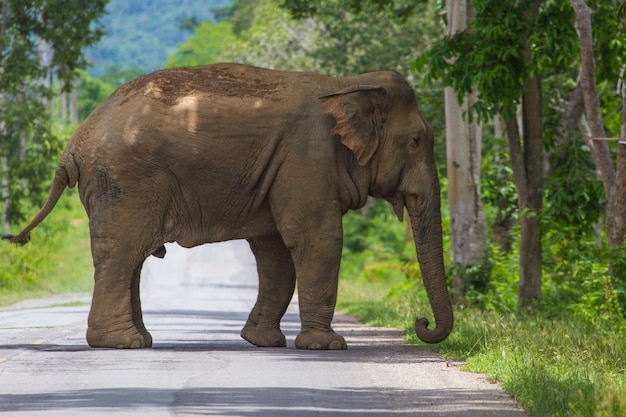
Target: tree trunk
529, 203
526, 152
617, 236
613, 180
463, 145
599, 149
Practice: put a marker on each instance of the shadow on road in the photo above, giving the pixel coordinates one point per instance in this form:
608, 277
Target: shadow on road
254, 401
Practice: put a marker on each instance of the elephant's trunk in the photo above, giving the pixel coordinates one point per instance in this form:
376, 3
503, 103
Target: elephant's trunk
425, 214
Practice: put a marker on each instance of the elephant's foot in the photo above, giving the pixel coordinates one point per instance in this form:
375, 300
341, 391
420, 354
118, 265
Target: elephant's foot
320, 340
130, 338
263, 335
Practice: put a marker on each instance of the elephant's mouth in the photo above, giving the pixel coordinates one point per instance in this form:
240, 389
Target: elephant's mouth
401, 201
398, 203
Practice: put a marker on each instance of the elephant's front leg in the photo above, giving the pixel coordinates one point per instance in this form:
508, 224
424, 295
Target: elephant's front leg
115, 319
277, 280
315, 246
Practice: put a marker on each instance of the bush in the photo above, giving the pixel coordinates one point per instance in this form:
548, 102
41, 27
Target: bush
57, 259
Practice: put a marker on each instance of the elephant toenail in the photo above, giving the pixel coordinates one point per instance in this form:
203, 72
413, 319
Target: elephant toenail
335, 345
314, 346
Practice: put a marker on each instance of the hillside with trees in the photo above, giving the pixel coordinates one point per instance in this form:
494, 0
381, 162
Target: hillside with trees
139, 34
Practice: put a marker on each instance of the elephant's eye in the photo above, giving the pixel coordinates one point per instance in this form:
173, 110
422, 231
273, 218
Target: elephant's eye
415, 140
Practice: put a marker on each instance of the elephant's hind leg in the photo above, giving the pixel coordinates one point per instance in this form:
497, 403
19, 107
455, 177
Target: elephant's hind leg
115, 319
277, 280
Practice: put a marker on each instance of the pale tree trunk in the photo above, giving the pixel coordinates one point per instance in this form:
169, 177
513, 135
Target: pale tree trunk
463, 145
526, 152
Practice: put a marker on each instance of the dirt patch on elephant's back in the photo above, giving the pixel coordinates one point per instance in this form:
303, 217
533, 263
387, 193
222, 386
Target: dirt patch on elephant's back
169, 86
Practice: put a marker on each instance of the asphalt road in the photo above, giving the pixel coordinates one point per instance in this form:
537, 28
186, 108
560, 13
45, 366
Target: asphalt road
195, 303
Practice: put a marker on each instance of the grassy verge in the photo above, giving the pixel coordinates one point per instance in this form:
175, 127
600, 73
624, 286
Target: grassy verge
56, 260
557, 366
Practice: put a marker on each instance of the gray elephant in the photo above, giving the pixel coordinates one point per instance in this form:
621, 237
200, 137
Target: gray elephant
228, 151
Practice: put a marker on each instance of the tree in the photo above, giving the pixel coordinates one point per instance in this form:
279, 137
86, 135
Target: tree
355, 37
206, 45
91, 92
613, 176
271, 38
494, 56
527, 163
39, 40
510, 50
463, 145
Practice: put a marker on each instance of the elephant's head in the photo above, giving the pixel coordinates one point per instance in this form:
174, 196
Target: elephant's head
393, 144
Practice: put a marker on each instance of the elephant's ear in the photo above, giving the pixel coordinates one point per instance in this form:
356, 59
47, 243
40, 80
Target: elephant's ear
358, 118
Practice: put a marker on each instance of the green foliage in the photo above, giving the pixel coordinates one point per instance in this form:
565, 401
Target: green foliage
117, 75
91, 92
609, 37
497, 188
377, 231
30, 147
29, 32
240, 13
206, 45
555, 21
57, 260
572, 184
61, 23
376, 37
306, 8
272, 40
488, 56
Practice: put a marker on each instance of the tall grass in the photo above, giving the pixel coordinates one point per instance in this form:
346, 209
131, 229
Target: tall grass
57, 259
557, 366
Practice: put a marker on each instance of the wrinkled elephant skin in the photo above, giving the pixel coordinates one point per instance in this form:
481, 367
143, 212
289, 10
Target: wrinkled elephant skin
227, 151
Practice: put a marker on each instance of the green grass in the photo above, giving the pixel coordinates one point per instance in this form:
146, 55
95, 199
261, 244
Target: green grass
558, 366
56, 260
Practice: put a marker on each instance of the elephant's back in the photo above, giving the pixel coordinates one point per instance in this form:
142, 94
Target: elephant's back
171, 86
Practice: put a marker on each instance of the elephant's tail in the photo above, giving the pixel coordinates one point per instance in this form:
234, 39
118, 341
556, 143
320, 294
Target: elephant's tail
66, 175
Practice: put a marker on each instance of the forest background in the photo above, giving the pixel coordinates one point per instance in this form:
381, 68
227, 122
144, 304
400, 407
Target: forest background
533, 220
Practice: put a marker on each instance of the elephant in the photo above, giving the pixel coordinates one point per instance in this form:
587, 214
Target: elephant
228, 151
